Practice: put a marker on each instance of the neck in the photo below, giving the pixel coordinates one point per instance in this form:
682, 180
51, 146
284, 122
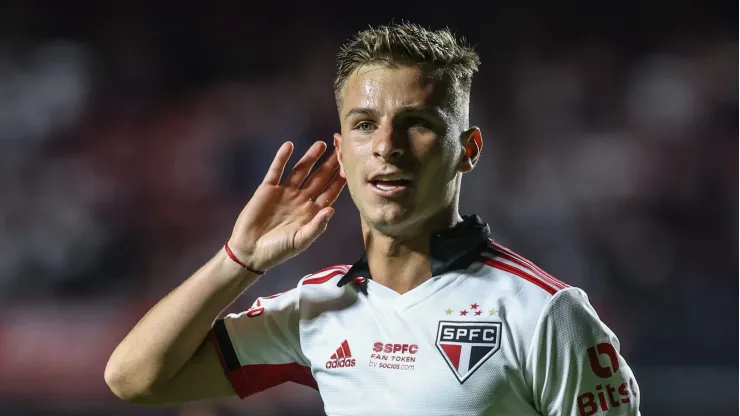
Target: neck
402, 263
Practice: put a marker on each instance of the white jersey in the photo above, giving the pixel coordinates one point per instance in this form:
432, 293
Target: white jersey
497, 337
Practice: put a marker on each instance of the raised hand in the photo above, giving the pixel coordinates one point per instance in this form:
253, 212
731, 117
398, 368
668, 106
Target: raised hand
282, 220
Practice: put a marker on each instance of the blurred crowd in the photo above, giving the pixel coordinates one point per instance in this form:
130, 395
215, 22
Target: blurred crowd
128, 146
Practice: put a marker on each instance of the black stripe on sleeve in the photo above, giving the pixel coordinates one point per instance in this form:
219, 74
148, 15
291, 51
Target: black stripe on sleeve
224, 343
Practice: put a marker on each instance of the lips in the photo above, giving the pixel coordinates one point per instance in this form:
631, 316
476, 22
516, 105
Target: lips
390, 176
389, 185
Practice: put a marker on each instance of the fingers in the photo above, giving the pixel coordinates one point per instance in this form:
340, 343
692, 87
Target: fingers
311, 231
275, 172
303, 167
329, 195
321, 176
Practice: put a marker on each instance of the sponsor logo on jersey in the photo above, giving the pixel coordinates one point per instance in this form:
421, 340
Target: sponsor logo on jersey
395, 348
611, 353
606, 396
393, 356
465, 346
342, 358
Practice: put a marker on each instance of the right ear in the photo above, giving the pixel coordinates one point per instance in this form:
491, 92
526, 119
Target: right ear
473, 144
338, 149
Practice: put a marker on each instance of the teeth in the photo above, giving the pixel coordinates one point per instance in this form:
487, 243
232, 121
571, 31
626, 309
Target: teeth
385, 187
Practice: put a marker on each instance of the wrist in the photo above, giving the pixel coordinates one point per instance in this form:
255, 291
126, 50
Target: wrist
243, 260
231, 273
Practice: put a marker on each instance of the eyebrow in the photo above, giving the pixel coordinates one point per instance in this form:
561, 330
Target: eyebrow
359, 112
364, 111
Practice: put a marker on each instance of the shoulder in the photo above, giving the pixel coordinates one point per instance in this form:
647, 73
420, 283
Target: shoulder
322, 284
528, 292
571, 307
324, 276
531, 282
520, 272
314, 286
318, 281
318, 292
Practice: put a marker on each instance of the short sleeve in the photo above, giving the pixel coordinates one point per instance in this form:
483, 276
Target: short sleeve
574, 365
260, 348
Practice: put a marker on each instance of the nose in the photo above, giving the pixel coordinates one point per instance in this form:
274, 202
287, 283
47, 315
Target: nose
388, 144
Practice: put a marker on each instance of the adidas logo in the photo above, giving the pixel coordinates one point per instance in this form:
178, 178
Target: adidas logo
342, 358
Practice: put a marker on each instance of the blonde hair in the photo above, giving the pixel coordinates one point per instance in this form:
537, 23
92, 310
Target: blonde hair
439, 53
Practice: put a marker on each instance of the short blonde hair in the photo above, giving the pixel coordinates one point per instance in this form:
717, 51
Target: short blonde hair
439, 53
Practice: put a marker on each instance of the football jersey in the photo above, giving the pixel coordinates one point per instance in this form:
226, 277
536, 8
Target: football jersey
489, 333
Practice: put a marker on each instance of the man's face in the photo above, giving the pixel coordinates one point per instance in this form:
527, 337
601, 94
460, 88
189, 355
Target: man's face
400, 148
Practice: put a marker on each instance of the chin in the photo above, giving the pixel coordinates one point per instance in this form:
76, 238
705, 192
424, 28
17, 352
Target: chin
390, 220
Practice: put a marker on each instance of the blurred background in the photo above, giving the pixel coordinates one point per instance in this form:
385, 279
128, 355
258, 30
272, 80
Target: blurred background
131, 135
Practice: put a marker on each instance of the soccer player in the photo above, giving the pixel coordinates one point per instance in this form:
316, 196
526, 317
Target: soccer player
435, 319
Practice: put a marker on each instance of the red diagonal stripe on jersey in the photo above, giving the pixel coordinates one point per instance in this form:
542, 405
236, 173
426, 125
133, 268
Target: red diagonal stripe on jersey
345, 347
519, 262
453, 353
512, 256
340, 353
322, 279
333, 357
513, 270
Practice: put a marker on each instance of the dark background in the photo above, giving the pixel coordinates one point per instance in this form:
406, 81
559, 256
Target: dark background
131, 135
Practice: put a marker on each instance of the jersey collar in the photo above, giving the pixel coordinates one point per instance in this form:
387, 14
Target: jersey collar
455, 248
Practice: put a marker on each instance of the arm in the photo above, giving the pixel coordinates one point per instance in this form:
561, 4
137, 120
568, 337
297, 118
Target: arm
574, 363
167, 357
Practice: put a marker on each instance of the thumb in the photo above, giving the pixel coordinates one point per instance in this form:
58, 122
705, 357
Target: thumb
311, 231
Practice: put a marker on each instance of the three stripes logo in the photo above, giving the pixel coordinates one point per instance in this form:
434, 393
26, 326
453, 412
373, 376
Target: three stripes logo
342, 358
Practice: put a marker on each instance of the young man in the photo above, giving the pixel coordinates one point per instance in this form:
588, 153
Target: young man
435, 318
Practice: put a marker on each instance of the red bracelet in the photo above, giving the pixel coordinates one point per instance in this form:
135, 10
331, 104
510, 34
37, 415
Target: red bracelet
239, 262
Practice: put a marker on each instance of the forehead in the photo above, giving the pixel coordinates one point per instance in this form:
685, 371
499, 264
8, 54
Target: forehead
384, 88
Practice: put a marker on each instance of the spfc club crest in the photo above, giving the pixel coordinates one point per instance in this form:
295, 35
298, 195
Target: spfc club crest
467, 345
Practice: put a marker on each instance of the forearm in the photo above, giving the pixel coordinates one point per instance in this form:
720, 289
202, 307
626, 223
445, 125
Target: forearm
165, 339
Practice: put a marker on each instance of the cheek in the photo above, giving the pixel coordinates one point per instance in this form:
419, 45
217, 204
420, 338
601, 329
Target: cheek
353, 158
437, 156
352, 173
440, 168
450, 157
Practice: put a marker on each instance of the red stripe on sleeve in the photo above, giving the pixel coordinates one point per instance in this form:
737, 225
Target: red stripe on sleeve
527, 264
250, 379
264, 376
322, 279
513, 270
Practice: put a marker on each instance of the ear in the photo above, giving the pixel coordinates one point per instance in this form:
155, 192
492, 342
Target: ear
338, 149
472, 146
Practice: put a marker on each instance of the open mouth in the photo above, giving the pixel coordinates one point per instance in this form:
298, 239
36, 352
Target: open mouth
389, 185
389, 188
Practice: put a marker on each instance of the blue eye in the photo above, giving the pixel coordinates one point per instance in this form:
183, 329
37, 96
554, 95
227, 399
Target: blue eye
364, 126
